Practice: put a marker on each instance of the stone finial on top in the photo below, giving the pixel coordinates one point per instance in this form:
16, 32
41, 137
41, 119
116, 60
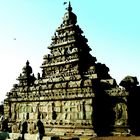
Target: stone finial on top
69, 16
69, 8
27, 70
27, 76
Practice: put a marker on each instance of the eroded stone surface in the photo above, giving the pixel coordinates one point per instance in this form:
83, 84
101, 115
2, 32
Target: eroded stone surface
74, 96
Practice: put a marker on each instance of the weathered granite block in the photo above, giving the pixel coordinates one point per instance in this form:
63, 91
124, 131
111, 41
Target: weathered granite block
14, 135
31, 136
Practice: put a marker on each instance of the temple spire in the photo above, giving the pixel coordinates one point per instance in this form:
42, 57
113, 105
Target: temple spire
69, 7
69, 16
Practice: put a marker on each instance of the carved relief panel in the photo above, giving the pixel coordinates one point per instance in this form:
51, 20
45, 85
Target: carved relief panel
121, 115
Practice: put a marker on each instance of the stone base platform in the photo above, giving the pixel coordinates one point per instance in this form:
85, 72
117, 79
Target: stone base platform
90, 138
17, 136
70, 132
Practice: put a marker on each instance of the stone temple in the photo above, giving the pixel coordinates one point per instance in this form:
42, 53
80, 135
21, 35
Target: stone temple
73, 96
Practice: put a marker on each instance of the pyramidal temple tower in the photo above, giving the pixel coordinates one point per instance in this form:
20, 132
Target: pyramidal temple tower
74, 95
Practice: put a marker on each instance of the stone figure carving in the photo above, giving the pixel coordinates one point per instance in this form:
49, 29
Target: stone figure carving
15, 128
13, 108
120, 110
31, 128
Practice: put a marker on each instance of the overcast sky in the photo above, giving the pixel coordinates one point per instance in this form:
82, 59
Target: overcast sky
112, 28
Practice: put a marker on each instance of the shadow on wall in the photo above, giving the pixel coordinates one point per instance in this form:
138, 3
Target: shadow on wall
133, 110
103, 116
40, 129
130, 84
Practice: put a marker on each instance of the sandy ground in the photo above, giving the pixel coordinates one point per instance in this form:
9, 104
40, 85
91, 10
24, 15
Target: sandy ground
117, 138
